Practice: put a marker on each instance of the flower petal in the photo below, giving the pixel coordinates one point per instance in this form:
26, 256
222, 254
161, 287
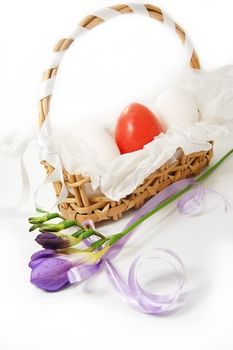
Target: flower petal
44, 253
51, 274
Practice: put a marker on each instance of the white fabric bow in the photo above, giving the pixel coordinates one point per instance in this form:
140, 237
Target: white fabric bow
16, 146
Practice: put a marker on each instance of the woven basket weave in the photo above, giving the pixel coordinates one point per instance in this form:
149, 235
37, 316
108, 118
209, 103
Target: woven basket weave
81, 206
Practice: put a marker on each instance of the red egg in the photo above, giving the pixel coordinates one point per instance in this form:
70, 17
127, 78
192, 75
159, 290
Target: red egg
136, 127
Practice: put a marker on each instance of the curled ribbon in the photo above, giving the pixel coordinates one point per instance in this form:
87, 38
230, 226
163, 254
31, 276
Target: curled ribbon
135, 295
131, 290
189, 203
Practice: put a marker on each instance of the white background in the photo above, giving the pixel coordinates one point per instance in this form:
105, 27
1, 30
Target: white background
93, 315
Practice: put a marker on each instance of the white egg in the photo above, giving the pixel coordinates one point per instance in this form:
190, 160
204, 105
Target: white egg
176, 107
97, 140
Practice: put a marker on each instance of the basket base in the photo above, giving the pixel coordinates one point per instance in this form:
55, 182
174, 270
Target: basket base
103, 208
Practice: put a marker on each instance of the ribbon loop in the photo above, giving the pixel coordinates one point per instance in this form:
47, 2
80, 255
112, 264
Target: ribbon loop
192, 200
135, 295
16, 146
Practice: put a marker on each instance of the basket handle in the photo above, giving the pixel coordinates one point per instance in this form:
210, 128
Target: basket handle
92, 21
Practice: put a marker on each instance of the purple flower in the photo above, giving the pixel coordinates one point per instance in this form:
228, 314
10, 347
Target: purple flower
50, 269
39, 256
49, 272
50, 240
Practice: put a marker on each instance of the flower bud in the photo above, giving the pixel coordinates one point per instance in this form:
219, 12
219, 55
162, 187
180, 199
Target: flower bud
50, 240
42, 219
58, 227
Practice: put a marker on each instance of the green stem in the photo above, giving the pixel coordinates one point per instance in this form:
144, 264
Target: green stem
214, 167
175, 196
98, 243
81, 232
79, 225
98, 234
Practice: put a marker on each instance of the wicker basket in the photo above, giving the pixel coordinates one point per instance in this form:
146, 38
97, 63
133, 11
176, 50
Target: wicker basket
78, 204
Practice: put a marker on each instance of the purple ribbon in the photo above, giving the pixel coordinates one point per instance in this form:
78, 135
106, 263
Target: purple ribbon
131, 290
189, 203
